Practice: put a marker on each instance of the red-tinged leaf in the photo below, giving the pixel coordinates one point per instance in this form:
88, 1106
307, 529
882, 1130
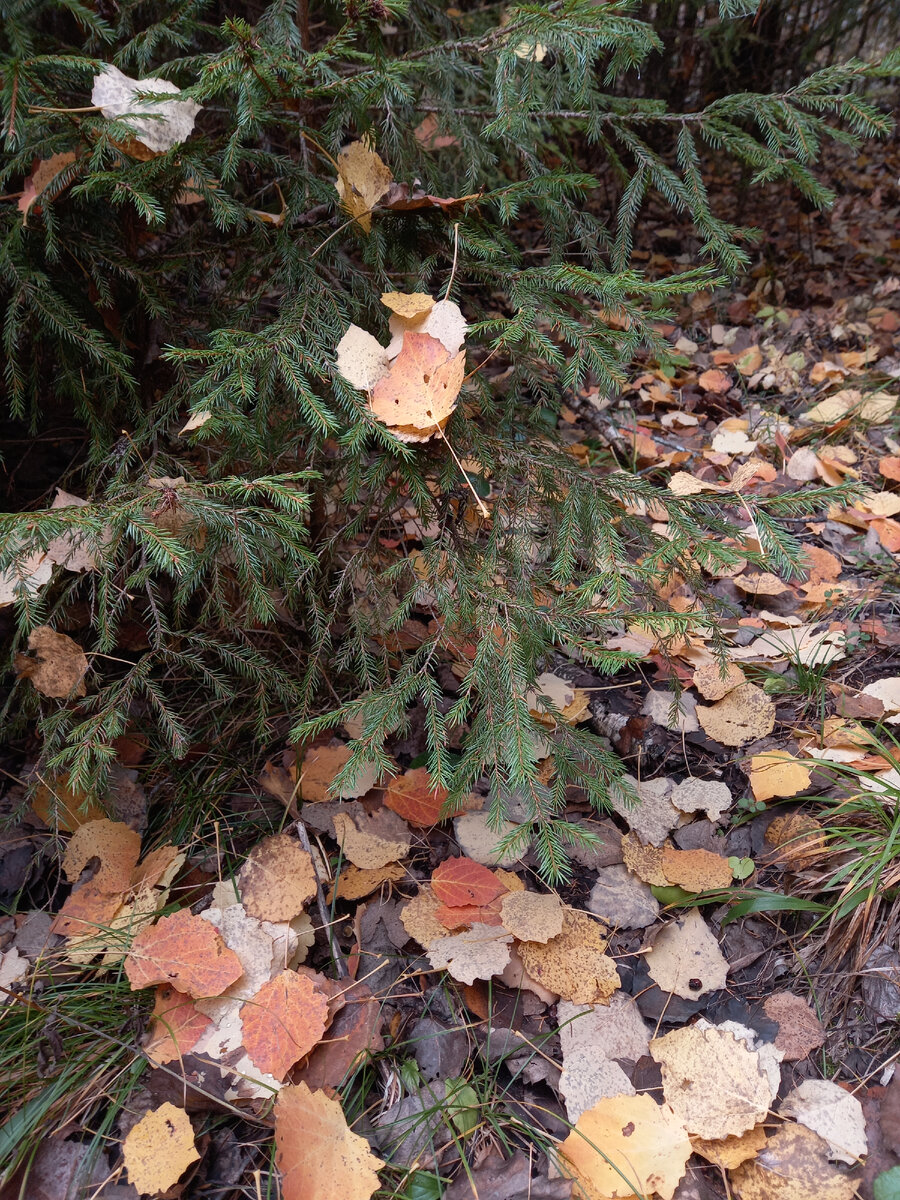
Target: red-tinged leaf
454, 917
177, 1026
459, 881
415, 798
283, 1022
185, 951
318, 1155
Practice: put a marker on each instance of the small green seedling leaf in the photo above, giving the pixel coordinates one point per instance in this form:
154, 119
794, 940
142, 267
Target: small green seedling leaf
742, 868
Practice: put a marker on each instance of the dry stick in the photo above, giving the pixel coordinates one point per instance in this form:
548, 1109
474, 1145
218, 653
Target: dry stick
339, 961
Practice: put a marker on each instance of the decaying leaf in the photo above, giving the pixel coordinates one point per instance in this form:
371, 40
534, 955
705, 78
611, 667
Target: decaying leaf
112, 844
799, 1029
703, 795
835, 1115
420, 920
655, 816
476, 953
793, 1165
713, 1082
532, 916
177, 1026
277, 879
363, 179
354, 883
592, 1038
744, 715
41, 181
644, 861
696, 870
185, 951
685, 958
713, 685
361, 358
55, 664
373, 841
157, 125
621, 899
317, 1153
284, 1020
353, 1034
777, 773
573, 964
627, 1145
159, 1149
728, 1153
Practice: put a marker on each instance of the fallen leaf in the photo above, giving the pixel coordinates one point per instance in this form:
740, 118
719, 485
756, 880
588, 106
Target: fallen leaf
372, 841
659, 707
363, 179
654, 816
445, 322
284, 1020
354, 883
744, 715
644, 861
278, 879
25, 577
696, 870
715, 381
419, 918
531, 916
627, 1145
56, 665
253, 942
72, 551
728, 1153
573, 964
157, 125
113, 844
622, 900
478, 837
875, 407
183, 950
416, 398
177, 1026
476, 953
764, 584
354, 1034
798, 838
799, 1029
713, 685
886, 690
361, 359
835, 1115
713, 1082
416, 798
460, 881
889, 467
592, 1038
777, 774
793, 1165
39, 182
703, 795
317, 1153
685, 958
159, 1149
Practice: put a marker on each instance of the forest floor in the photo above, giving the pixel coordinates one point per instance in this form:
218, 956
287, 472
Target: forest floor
737, 927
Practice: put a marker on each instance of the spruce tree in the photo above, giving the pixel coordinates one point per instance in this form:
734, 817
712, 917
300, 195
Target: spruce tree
247, 577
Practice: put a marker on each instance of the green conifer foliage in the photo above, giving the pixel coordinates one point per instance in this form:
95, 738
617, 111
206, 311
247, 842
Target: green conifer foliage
215, 280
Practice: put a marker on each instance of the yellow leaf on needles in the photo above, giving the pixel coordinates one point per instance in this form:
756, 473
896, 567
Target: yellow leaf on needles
777, 773
159, 1149
56, 665
410, 305
417, 396
363, 179
626, 1146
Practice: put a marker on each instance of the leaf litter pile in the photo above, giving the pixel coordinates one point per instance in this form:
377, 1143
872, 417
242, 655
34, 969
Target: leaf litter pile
376, 997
